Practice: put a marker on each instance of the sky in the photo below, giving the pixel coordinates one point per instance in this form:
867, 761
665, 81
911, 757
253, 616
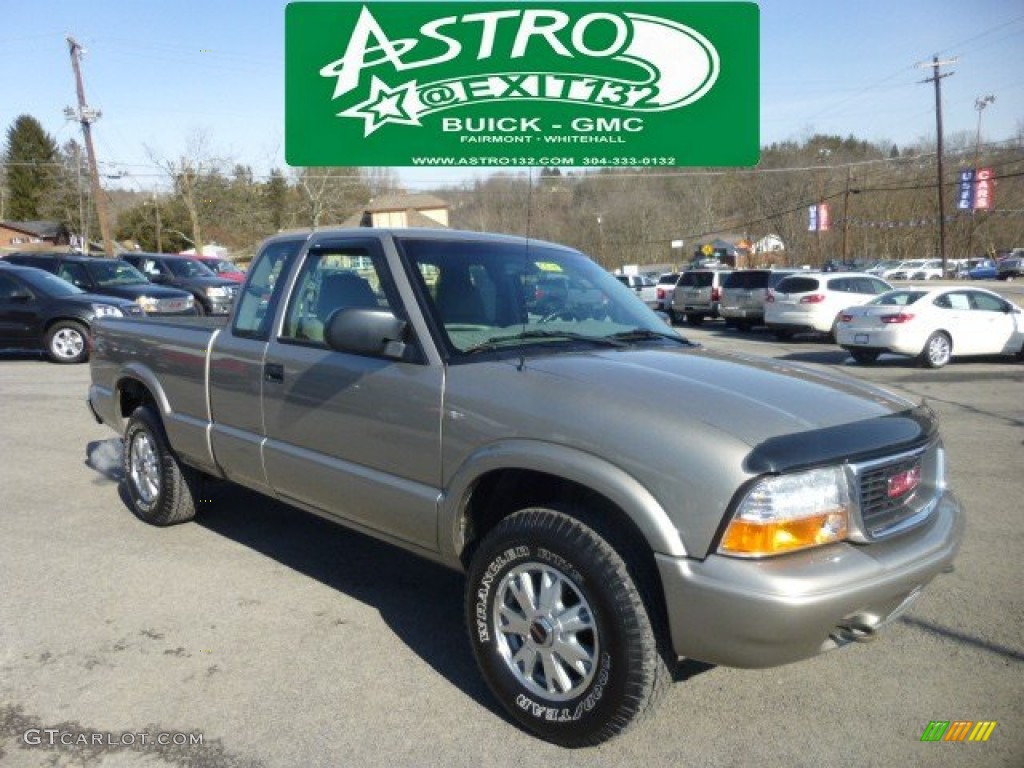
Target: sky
164, 72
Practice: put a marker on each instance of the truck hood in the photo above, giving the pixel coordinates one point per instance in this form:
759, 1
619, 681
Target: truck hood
751, 398
133, 291
690, 425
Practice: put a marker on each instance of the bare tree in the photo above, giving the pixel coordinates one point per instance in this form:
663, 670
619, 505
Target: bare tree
330, 194
187, 175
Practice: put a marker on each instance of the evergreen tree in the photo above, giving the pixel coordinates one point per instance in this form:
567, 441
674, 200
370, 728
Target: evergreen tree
33, 168
276, 195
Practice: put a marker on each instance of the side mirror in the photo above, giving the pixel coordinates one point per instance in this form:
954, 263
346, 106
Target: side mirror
362, 331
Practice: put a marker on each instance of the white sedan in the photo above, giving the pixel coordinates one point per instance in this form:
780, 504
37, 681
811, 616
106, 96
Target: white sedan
933, 325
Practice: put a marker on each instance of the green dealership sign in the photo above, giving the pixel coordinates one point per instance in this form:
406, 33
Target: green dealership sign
521, 84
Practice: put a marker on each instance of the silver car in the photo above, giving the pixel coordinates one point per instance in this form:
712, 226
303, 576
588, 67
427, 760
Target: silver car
744, 294
697, 295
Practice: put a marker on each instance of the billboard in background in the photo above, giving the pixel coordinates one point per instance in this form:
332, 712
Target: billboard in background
563, 84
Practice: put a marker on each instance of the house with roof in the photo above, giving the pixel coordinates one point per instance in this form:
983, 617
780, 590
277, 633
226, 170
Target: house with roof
16, 235
725, 248
402, 210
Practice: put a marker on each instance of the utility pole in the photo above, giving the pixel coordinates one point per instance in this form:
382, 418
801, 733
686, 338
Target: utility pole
846, 211
87, 116
936, 78
159, 233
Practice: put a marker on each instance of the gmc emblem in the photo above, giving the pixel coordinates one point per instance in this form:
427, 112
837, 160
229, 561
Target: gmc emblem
904, 482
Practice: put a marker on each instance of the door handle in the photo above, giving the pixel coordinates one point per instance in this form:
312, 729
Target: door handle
273, 372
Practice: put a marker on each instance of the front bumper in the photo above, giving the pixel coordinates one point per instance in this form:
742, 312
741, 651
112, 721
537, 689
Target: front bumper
763, 613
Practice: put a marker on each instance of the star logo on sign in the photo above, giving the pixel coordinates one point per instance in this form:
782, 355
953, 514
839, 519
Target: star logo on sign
385, 105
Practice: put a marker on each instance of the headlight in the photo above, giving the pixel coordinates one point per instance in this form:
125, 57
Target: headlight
785, 513
217, 292
106, 310
148, 303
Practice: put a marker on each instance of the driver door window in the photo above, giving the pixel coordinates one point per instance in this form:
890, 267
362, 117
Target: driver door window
331, 280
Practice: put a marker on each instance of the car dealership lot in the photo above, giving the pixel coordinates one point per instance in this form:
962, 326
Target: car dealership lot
284, 640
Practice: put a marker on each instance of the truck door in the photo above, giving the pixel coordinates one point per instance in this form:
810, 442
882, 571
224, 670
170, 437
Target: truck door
354, 436
236, 367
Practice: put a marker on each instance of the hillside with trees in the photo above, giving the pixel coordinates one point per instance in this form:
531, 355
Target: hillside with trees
882, 200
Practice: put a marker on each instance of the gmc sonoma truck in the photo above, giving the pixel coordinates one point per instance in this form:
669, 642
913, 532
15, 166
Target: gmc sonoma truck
743, 511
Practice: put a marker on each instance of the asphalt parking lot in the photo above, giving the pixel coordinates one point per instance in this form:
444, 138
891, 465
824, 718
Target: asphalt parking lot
282, 640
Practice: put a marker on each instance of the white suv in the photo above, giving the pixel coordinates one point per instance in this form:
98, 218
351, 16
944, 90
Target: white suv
810, 302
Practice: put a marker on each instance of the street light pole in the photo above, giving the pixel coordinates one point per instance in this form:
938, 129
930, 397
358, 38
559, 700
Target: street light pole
979, 104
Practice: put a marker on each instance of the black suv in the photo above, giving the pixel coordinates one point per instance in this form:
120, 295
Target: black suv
110, 277
213, 295
40, 311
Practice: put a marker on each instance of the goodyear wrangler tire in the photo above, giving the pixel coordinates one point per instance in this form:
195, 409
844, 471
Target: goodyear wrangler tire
161, 490
560, 630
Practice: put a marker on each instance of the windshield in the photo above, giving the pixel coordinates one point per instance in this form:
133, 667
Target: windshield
116, 273
221, 266
49, 285
488, 294
188, 268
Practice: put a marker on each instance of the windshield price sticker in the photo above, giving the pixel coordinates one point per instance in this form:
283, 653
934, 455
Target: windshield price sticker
498, 84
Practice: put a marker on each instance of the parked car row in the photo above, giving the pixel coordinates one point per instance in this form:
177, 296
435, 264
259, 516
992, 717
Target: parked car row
39, 310
863, 313
49, 300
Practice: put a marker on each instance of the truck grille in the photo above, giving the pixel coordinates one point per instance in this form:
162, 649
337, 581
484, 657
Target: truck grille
170, 306
894, 493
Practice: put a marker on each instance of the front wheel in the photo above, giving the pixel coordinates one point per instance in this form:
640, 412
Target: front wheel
66, 342
161, 490
937, 350
560, 631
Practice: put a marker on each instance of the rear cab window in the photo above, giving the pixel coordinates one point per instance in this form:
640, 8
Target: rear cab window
258, 301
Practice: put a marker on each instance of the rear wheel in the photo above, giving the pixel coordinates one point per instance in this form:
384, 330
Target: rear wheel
864, 356
694, 319
161, 489
560, 630
937, 350
66, 342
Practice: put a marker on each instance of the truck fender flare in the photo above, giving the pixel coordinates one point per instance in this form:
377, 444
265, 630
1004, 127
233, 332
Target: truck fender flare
149, 380
572, 464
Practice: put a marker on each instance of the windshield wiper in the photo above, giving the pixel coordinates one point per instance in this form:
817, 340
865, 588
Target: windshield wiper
496, 342
643, 334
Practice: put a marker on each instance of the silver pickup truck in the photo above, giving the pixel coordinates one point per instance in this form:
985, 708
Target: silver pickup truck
741, 511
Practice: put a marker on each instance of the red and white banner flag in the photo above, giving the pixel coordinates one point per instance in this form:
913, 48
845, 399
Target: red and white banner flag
984, 189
